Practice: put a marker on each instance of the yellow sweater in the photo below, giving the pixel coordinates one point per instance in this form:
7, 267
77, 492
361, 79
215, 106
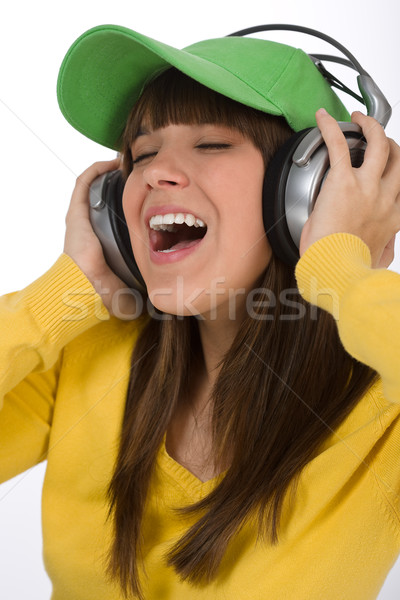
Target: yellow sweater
64, 373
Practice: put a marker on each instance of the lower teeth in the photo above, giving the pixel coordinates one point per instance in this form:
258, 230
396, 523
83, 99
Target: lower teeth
167, 250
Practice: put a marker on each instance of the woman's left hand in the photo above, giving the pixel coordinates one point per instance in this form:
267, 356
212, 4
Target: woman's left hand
364, 201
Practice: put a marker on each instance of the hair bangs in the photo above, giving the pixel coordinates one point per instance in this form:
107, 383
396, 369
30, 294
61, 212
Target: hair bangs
173, 98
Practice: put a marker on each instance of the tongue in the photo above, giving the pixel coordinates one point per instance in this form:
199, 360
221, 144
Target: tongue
184, 244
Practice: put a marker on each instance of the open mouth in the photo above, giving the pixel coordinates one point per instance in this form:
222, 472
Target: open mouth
173, 232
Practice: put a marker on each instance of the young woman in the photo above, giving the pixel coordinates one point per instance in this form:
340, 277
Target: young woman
236, 442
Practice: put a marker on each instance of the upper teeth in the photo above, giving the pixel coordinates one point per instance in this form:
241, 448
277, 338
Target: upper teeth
167, 222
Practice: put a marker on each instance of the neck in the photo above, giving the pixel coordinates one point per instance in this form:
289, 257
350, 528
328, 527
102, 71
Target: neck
216, 338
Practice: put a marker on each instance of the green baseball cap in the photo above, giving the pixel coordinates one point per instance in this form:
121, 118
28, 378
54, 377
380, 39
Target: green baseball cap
105, 70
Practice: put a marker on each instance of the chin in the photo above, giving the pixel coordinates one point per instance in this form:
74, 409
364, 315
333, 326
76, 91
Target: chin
174, 301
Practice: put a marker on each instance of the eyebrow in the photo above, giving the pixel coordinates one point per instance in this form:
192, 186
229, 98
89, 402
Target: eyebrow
142, 131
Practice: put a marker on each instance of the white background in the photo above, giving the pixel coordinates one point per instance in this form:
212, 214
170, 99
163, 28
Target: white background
40, 156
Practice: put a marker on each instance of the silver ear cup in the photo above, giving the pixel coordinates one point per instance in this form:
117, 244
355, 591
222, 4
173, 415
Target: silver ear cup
310, 167
274, 201
108, 222
293, 181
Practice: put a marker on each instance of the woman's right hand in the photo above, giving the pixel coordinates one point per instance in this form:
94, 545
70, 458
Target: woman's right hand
83, 246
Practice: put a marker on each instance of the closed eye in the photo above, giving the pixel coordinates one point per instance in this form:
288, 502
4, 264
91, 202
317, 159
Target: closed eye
214, 146
206, 146
142, 157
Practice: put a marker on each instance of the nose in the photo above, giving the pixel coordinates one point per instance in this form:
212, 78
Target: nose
165, 170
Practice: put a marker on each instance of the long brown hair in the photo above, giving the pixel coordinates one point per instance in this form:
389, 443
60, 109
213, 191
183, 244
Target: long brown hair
288, 351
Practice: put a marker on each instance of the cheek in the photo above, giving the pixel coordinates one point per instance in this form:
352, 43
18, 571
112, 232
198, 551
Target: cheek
243, 213
129, 202
244, 237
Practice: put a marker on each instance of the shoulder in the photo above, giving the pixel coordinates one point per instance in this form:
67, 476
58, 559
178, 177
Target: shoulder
111, 336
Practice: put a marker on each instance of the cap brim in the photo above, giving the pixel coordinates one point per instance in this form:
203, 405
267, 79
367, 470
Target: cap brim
104, 72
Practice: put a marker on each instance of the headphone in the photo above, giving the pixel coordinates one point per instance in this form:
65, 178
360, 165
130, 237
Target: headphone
292, 180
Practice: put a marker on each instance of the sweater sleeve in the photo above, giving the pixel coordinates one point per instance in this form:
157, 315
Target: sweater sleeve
35, 324
335, 274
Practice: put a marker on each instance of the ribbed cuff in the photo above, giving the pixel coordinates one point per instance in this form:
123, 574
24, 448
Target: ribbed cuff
63, 302
329, 267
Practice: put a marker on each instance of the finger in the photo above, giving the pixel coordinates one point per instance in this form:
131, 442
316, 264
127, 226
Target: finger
84, 180
391, 175
390, 244
387, 255
79, 205
377, 151
338, 150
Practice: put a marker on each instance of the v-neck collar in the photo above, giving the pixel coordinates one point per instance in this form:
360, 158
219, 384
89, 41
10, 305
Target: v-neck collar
192, 485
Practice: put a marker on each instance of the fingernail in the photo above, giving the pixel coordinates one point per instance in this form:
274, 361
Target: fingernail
322, 111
